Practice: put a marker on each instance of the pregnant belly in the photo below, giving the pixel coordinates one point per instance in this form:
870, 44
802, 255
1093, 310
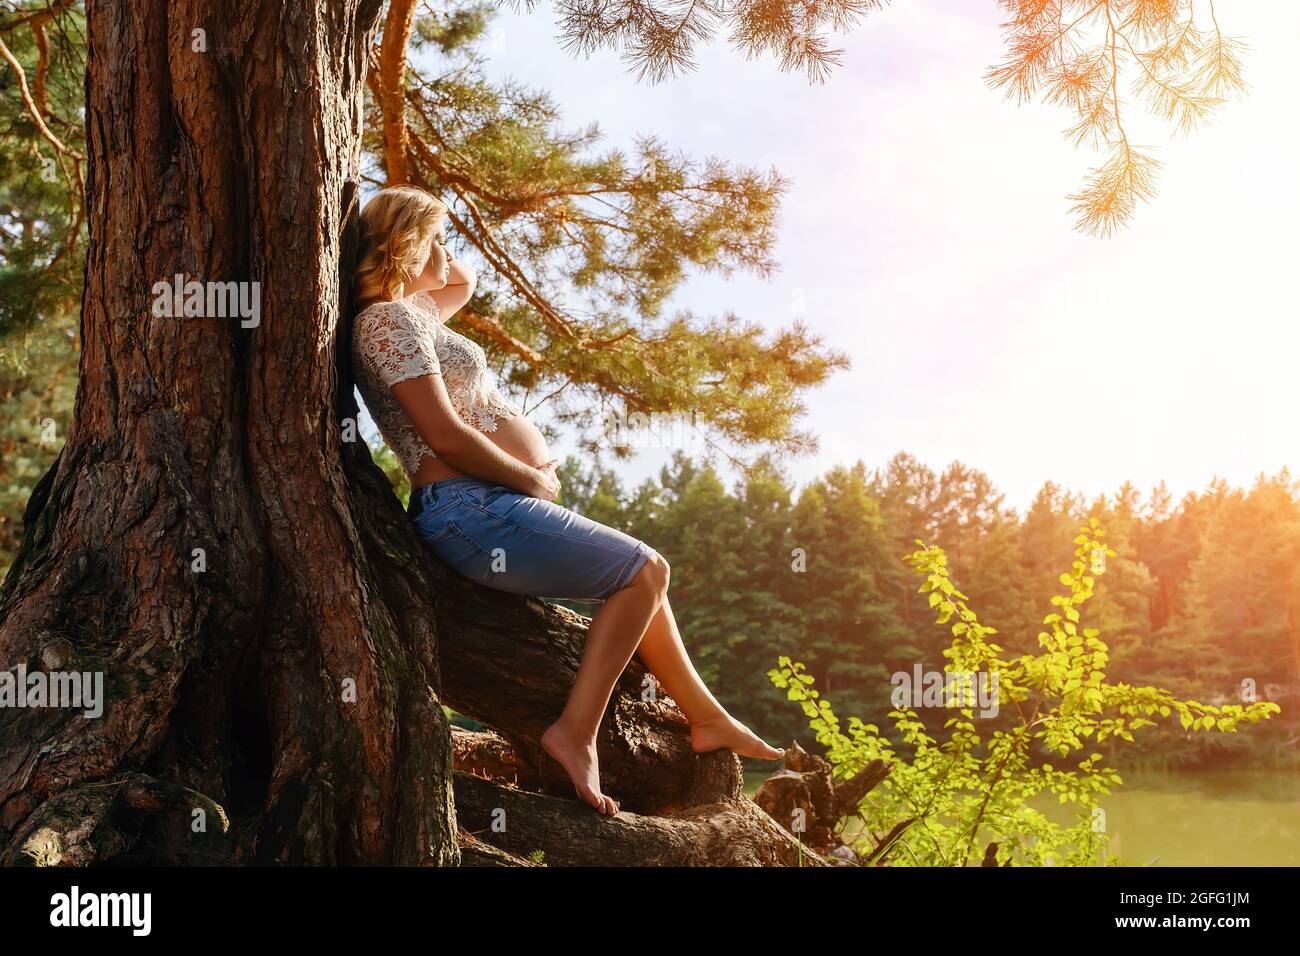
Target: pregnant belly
517, 437
520, 438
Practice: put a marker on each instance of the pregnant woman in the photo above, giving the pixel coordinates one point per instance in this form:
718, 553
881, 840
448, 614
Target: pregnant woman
483, 486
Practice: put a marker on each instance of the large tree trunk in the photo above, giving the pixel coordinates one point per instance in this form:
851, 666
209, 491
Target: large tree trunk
223, 155
260, 608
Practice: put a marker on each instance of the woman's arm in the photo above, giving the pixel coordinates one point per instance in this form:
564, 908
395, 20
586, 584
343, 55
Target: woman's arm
451, 298
425, 401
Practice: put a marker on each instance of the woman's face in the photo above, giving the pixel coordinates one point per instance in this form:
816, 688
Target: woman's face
435, 273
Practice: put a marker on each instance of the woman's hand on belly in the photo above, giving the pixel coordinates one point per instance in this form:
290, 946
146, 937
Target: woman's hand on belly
552, 489
517, 437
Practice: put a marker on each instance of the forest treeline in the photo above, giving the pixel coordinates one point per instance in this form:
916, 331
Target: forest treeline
1202, 598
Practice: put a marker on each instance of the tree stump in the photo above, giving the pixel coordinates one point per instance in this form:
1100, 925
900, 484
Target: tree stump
807, 802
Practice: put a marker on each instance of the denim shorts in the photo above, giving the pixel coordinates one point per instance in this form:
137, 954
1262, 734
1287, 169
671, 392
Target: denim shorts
512, 542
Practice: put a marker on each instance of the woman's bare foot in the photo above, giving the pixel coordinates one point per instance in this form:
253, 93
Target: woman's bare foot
727, 732
578, 758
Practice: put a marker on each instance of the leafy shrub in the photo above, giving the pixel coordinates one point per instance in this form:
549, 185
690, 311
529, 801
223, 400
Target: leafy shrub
934, 806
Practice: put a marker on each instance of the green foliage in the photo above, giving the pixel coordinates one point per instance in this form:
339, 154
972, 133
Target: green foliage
37, 387
933, 808
41, 236
385, 458
41, 226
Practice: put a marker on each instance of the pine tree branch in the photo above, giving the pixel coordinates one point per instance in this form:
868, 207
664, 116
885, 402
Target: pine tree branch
390, 86
32, 108
495, 253
494, 330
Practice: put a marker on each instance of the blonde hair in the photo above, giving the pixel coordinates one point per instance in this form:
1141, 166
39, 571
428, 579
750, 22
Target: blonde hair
398, 226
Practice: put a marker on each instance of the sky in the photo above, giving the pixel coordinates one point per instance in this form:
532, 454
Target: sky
928, 235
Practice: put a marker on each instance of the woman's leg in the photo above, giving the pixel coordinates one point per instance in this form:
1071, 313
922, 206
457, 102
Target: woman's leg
639, 619
612, 637
712, 728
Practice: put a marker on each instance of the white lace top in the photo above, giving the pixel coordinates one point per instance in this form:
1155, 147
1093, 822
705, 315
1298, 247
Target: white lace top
403, 339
